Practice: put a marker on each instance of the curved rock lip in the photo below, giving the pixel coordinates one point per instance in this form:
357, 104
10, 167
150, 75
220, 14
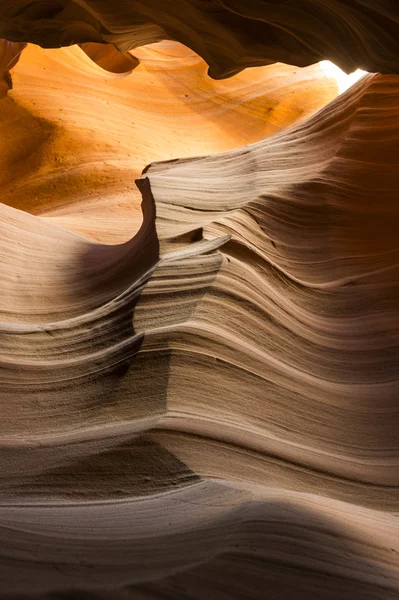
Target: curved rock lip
229, 34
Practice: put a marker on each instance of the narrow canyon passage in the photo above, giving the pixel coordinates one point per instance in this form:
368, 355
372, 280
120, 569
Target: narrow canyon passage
75, 136
199, 326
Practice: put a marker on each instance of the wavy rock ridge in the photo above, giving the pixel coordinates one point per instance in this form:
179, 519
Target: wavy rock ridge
198, 397
74, 136
209, 410
229, 34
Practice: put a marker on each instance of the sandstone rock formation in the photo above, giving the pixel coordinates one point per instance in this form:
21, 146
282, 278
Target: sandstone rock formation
229, 34
198, 398
9, 55
75, 137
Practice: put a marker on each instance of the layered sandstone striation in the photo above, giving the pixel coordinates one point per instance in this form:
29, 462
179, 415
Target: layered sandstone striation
230, 35
75, 136
199, 371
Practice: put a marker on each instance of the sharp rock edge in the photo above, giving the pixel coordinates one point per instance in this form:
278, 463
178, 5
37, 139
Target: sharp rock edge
74, 136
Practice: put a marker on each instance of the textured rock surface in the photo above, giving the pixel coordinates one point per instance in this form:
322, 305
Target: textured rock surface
9, 55
210, 409
198, 397
229, 34
74, 137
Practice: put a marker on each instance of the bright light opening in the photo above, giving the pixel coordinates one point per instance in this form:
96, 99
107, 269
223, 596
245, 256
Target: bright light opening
344, 81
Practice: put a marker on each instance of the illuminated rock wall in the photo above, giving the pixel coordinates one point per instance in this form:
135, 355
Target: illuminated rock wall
199, 382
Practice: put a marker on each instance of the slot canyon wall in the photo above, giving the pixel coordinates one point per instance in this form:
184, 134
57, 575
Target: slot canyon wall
199, 332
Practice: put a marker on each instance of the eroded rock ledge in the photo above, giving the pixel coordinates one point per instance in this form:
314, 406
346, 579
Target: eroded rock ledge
229, 34
213, 404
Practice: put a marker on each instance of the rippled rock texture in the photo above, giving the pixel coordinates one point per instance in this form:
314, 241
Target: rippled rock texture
199, 396
229, 34
74, 136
